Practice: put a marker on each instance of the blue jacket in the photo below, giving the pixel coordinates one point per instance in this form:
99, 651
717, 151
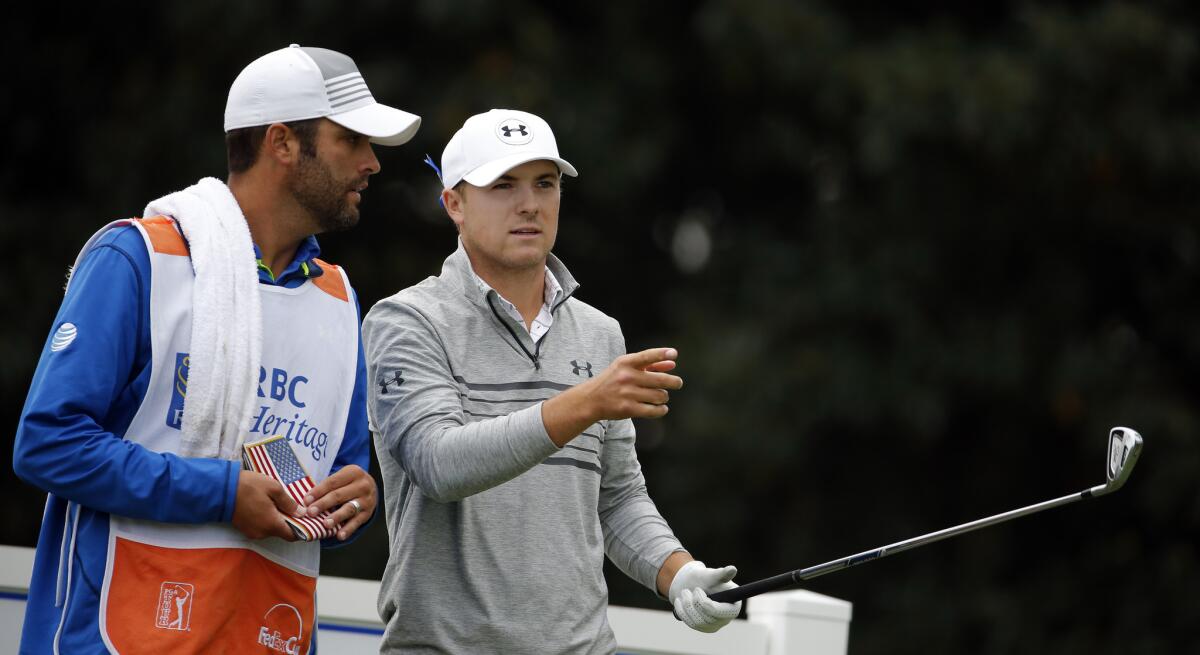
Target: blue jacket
70, 440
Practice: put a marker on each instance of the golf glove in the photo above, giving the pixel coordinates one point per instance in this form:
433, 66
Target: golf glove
689, 595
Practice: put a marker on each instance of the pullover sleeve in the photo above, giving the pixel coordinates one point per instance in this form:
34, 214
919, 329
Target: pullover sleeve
85, 392
636, 537
417, 413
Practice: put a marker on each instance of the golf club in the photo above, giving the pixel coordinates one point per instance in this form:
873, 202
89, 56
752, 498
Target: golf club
1124, 446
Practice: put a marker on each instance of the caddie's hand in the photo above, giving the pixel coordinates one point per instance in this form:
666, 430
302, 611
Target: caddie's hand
633, 386
689, 595
348, 495
260, 506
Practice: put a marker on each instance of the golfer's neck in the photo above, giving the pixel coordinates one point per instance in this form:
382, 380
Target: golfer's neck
523, 287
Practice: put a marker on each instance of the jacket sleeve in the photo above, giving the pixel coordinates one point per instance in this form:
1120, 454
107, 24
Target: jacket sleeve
356, 440
636, 537
69, 439
421, 420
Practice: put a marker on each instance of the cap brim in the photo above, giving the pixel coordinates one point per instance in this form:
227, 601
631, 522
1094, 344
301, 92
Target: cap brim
386, 125
489, 172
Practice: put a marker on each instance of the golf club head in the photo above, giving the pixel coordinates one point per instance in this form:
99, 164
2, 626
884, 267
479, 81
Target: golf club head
1124, 446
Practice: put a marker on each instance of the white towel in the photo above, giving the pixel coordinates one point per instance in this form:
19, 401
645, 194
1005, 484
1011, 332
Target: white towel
226, 346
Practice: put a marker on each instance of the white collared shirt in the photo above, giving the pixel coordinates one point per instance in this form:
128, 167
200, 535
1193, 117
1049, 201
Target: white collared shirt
541, 324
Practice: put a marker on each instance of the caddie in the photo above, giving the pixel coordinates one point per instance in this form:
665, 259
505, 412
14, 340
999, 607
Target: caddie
209, 323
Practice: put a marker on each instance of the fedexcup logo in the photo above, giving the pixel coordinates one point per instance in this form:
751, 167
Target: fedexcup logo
282, 629
63, 336
514, 132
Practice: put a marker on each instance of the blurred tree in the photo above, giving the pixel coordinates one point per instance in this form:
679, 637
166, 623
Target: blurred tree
917, 257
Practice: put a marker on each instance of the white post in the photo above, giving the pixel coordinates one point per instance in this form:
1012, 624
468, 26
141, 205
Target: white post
802, 622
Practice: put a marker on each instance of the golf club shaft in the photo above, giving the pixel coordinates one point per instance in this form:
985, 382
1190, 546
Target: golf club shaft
785, 579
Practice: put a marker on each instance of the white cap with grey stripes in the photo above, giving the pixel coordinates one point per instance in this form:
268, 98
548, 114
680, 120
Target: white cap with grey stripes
297, 83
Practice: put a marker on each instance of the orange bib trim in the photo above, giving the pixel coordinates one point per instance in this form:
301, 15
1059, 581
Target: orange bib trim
206, 600
331, 281
166, 239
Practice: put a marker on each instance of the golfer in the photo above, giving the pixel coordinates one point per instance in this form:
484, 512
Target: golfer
501, 408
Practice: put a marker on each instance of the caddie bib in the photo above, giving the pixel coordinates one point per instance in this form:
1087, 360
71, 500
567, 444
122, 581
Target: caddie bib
206, 588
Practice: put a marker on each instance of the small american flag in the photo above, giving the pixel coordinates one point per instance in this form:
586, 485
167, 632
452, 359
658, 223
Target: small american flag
275, 458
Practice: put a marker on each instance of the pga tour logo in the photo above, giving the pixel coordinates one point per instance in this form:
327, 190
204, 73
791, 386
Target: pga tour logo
174, 611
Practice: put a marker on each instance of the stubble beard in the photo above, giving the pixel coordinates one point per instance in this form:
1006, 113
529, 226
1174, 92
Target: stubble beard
322, 196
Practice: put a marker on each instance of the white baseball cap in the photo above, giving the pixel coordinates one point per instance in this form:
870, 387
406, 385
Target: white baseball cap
490, 144
296, 83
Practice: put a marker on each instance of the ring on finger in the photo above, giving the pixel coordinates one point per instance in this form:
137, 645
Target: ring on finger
353, 502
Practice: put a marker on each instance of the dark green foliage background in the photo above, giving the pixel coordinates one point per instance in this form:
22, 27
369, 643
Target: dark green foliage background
951, 246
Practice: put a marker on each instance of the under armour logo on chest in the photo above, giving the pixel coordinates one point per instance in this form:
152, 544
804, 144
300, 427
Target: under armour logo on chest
578, 368
395, 379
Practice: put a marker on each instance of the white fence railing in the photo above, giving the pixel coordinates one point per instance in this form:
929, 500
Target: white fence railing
781, 623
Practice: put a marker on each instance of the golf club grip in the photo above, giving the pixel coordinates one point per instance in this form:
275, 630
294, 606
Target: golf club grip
755, 588
752, 589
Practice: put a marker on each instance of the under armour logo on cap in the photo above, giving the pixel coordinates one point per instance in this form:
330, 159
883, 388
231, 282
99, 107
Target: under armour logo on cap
494, 142
513, 132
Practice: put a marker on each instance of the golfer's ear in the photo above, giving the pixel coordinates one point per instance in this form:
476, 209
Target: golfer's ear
453, 200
